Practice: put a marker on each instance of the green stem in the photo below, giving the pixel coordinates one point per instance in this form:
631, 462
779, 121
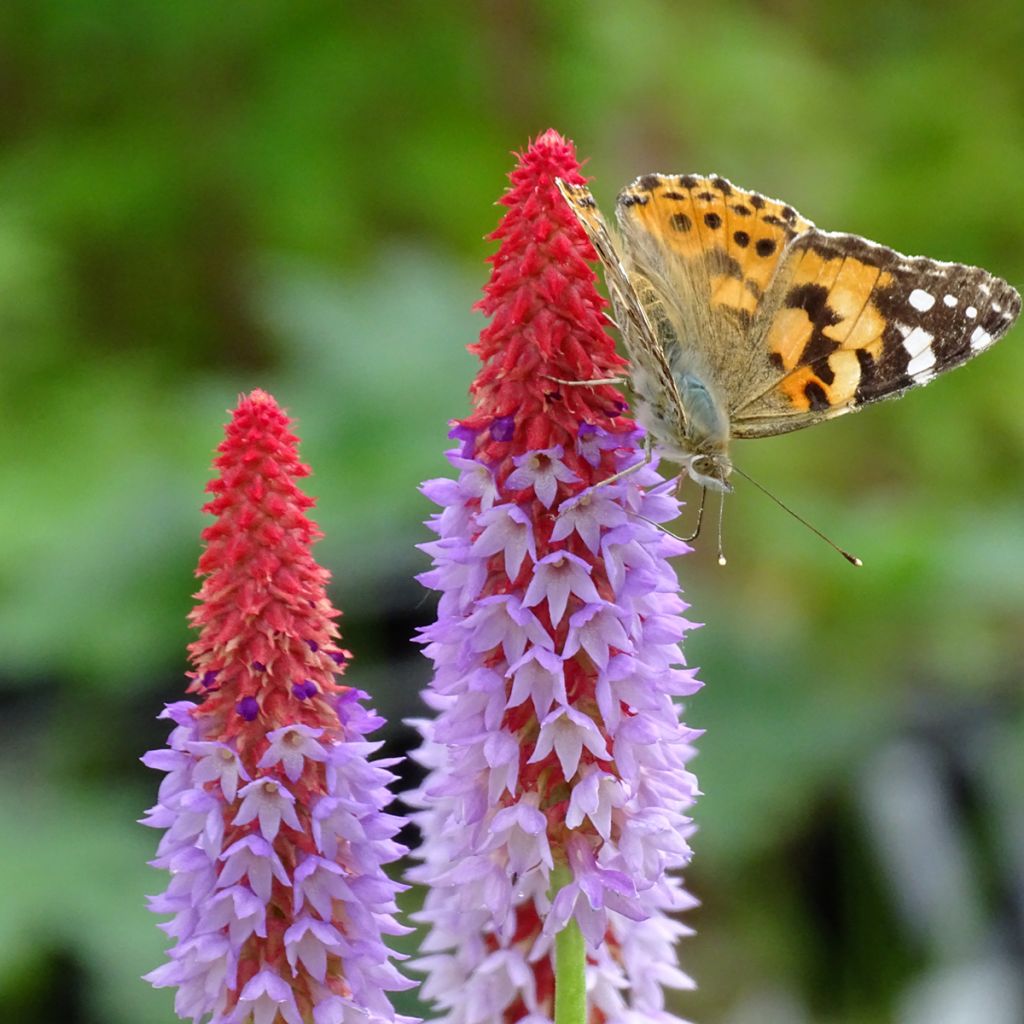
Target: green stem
570, 964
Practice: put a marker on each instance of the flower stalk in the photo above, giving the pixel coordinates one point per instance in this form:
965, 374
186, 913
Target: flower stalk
570, 965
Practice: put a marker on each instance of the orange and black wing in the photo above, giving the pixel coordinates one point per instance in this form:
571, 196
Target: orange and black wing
847, 322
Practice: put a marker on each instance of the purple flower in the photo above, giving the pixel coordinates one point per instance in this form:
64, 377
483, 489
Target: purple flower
492, 821
541, 472
591, 440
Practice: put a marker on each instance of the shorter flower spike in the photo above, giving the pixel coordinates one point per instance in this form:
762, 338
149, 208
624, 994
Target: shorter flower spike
273, 815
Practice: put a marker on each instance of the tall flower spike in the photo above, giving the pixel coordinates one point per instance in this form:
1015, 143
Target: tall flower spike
275, 834
556, 760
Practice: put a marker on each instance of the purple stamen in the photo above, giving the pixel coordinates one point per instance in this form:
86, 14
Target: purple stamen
248, 708
304, 689
503, 428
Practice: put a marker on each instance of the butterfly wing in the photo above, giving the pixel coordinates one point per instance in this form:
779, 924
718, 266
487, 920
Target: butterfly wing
846, 322
787, 325
709, 251
651, 372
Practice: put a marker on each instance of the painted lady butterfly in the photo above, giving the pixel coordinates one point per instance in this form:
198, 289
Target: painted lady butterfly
742, 319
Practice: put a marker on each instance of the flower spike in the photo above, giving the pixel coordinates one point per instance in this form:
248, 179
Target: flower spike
273, 815
557, 788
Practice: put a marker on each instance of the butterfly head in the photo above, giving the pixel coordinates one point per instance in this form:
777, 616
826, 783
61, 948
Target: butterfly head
710, 471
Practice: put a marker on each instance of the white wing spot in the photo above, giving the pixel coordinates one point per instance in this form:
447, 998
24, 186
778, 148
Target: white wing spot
949, 300
971, 312
981, 339
921, 300
918, 341
921, 364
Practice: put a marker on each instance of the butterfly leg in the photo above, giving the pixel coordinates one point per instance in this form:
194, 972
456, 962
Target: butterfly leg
587, 383
700, 515
648, 455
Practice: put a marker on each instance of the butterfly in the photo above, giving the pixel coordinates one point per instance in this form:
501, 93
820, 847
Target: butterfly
742, 319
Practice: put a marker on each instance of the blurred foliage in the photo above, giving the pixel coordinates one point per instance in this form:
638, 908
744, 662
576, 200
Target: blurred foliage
199, 198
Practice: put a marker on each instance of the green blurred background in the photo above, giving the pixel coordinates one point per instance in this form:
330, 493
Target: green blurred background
198, 198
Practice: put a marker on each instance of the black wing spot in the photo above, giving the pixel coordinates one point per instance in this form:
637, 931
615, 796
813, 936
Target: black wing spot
816, 353
756, 201
789, 213
741, 238
776, 222
886, 375
688, 181
674, 195
628, 199
743, 211
708, 197
712, 220
722, 185
813, 299
823, 370
868, 383
765, 246
648, 182
775, 358
816, 395
680, 222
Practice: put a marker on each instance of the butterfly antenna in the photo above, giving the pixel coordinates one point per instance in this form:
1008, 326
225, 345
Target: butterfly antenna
721, 516
852, 559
